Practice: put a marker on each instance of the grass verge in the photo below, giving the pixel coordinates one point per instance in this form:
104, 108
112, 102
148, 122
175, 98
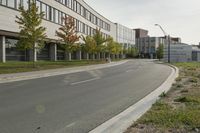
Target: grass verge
179, 110
16, 67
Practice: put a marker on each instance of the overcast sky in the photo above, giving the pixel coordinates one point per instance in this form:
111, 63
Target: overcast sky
178, 17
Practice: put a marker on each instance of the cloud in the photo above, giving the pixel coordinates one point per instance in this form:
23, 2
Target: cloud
178, 17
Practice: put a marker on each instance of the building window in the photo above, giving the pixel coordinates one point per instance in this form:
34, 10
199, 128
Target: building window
44, 10
12, 53
75, 6
26, 4
38, 4
11, 3
56, 16
78, 10
4, 2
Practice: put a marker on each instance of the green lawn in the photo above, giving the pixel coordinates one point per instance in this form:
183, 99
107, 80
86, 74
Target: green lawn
15, 67
178, 111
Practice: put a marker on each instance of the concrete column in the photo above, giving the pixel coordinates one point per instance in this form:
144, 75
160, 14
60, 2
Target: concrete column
98, 56
33, 54
79, 55
93, 56
53, 52
104, 55
87, 56
70, 56
2, 49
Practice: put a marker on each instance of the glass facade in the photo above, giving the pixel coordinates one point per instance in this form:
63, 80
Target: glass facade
60, 53
12, 53
44, 53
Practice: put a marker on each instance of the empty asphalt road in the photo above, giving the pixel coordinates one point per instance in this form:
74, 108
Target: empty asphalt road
78, 102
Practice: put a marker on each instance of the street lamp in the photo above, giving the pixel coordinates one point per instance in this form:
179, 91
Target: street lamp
167, 38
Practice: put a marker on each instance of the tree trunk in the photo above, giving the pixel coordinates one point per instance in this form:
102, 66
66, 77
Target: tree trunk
25, 54
70, 56
34, 54
79, 55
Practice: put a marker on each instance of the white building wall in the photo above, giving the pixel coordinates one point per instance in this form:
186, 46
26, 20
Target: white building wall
125, 35
7, 19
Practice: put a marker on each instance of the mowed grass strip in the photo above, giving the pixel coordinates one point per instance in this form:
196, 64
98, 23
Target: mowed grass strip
16, 67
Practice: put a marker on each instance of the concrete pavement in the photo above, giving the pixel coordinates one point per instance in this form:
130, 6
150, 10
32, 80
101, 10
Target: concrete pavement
76, 102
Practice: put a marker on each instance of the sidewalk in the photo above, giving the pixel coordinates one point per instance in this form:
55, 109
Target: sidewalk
6, 78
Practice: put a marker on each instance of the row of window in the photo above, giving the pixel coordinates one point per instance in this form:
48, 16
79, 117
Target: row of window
78, 8
15, 3
51, 14
54, 15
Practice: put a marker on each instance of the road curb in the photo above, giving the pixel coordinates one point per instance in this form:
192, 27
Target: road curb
6, 78
122, 121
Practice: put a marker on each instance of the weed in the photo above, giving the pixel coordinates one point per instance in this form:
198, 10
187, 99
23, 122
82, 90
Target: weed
163, 94
193, 80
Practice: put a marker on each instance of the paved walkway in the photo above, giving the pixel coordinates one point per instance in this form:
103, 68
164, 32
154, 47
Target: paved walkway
5, 78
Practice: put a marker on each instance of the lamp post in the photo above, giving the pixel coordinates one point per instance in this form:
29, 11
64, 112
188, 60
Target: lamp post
168, 38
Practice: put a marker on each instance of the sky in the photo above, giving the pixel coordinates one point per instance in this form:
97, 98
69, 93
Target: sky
179, 18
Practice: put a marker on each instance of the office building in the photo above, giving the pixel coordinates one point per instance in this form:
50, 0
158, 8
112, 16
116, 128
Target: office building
125, 36
147, 46
140, 33
86, 19
179, 52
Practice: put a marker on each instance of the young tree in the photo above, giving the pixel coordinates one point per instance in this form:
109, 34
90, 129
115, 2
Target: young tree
133, 52
111, 47
100, 40
118, 49
89, 46
125, 51
32, 34
68, 35
160, 51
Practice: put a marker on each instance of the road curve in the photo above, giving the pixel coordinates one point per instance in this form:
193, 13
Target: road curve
78, 102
